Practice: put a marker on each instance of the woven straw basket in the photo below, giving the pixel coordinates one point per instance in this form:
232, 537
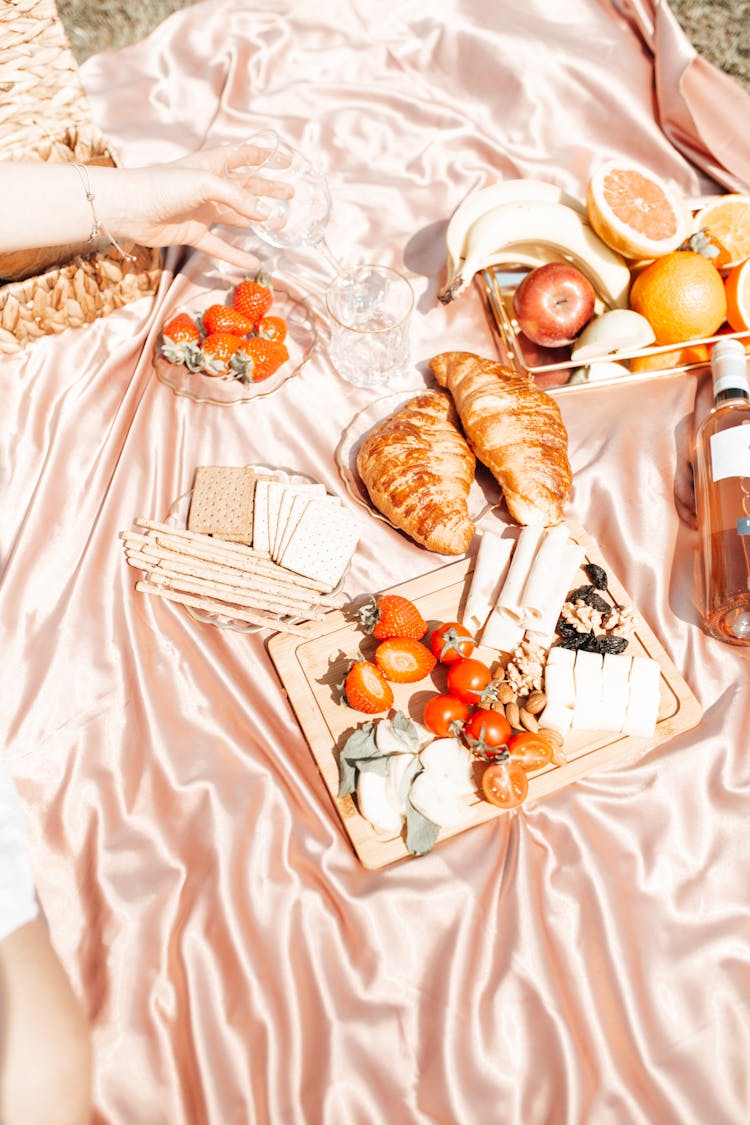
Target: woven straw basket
44, 115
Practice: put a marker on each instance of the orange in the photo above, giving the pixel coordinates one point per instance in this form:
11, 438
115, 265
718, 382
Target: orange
728, 220
681, 296
737, 286
636, 212
664, 361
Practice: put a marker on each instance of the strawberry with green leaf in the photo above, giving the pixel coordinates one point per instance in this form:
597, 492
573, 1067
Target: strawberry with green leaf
180, 333
221, 318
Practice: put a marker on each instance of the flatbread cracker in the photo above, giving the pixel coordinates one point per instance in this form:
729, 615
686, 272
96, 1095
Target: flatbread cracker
290, 493
222, 502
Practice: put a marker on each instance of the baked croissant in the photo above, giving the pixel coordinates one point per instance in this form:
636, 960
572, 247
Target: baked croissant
418, 470
515, 429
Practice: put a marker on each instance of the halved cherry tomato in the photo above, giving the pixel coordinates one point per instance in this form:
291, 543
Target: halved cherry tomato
442, 711
504, 784
487, 731
531, 751
450, 642
467, 679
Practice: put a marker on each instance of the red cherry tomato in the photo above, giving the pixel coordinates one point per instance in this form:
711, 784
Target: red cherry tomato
451, 642
531, 751
487, 731
504, 784
467, 679
442, 711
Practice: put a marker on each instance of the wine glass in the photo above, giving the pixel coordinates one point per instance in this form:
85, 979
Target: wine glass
292, 220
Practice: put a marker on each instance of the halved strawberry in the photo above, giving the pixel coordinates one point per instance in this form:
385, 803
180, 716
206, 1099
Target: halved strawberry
404, 660
253, 298
366, 690
220, 318
391, 615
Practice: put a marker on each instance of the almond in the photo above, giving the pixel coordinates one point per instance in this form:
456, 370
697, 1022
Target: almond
536, 702
513, 714
528, 720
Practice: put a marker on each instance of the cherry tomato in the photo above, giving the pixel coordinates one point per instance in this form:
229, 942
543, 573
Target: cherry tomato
451, 642
531, 751
467, 679
504, 784
442, 711
487, 731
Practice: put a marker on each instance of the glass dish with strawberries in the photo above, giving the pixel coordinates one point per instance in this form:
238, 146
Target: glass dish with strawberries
227, 347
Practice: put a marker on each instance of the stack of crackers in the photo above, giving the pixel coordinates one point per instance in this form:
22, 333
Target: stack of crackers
258, 548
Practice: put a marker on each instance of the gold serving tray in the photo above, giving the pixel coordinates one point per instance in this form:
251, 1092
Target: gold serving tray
498, 285
311, 668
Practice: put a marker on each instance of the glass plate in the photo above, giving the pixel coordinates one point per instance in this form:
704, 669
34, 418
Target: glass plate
484, 494
177, 517
551, 368
225, 391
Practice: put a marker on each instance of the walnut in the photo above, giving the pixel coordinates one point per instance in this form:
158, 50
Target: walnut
584, 618
620, 620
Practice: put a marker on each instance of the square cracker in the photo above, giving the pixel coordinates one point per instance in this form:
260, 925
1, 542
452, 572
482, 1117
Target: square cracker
322, 543
222, 502
289, 495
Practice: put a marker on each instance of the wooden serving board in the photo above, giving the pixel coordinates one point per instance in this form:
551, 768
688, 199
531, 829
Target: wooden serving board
311, 669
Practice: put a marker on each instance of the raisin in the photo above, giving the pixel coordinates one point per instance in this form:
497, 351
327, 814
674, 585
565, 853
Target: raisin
565, 628
614, 645
578, 640
580, 594
590, 642
597, 602
597, 575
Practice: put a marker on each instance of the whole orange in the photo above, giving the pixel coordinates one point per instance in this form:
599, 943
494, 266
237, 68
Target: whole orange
681, 296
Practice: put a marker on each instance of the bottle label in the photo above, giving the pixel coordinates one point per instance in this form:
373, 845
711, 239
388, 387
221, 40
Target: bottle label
743, 526
730, 453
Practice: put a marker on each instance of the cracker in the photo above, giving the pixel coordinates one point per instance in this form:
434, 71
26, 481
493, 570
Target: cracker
260, 515
322, 543
222, 502
299, 503
290, 493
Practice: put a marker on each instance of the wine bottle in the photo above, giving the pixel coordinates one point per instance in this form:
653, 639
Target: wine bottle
722, 492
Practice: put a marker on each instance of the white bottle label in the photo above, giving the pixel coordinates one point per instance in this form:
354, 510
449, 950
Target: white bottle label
730, 453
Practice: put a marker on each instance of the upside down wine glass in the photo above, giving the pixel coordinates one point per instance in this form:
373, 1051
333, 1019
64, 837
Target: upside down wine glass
298, 219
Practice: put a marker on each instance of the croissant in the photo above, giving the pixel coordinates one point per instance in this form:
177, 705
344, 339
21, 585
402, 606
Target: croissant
418, 469
515, 429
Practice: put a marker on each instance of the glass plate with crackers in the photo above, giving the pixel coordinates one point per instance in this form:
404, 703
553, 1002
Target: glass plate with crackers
206, 555
301, 336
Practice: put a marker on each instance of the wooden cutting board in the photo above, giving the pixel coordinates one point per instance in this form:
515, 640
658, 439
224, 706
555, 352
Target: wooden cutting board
311, 669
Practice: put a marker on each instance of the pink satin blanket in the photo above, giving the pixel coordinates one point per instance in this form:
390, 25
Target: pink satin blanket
585, 961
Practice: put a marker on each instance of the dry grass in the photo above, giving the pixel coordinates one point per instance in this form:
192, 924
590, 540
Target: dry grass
719, 29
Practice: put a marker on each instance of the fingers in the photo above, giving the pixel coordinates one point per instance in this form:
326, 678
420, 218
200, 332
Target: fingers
210, 243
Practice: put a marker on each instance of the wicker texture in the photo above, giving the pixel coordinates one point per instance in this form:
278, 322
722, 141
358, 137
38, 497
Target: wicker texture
44, 115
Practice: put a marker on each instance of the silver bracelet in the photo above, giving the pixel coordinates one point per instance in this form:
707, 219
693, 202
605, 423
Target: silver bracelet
98, 229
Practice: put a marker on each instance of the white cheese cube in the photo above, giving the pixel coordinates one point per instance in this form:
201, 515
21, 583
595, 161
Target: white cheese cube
643, 697
615, 688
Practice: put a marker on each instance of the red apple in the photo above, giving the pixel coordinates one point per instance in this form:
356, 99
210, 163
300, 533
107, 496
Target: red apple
553, 303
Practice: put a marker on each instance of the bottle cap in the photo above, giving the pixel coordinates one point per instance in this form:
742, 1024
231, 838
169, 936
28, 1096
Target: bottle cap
729, 367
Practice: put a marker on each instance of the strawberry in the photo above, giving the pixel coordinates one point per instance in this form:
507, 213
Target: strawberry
403, 660
220, 354
366, 690
272, 328
220, 318
253, 298
179, 334
265, 356
390, 615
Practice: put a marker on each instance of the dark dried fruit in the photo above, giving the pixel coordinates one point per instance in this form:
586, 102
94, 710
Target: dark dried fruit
597, 575
565, 628
589, 596
614, 645
577, 640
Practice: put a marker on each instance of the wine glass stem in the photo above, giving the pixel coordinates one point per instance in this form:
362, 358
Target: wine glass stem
330, 257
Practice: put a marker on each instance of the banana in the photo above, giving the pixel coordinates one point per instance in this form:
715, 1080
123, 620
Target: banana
495, 195
547, 225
